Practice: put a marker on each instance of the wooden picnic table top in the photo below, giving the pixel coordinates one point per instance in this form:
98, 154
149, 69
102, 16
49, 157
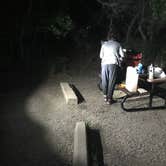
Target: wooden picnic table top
157, 80
144, 77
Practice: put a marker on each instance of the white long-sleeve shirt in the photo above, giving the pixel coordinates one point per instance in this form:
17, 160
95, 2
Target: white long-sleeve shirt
111, 52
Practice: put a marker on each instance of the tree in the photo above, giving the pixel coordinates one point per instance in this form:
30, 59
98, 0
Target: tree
60, 26
144, 17
118, 13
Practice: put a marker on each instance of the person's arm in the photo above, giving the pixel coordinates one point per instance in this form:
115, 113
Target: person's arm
101, 52
121, 53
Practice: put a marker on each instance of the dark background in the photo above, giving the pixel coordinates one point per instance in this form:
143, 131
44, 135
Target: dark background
42, 36
30, 30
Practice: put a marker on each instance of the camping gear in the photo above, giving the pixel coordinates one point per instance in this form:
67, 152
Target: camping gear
159, 73
132, 58
140, 68
151, 72
131, 79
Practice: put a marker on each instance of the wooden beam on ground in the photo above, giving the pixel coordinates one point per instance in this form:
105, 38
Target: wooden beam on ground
80, 154
68, 93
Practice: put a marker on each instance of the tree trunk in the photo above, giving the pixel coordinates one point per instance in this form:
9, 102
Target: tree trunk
130, 27
141, 21
142, 33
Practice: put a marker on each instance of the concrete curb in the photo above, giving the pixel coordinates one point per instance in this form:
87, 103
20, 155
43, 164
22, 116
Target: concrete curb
80, 154
69, 94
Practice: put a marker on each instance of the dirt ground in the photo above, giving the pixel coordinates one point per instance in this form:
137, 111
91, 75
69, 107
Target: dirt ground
37, 127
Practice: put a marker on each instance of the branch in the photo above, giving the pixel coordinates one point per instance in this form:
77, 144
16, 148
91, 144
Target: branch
142, 33
141, 21
130, 26
119, 3
108, 4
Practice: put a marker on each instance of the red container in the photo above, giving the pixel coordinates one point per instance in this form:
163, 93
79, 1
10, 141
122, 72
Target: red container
133, 59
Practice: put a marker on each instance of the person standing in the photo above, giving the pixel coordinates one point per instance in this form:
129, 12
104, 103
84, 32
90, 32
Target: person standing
111, 55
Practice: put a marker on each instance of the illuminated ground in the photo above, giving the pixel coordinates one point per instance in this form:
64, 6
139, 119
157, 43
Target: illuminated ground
37, 126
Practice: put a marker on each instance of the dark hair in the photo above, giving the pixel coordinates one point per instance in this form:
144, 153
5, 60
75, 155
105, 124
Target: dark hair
110, 35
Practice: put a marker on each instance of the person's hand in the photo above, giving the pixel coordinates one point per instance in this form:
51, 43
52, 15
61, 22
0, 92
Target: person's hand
124, 50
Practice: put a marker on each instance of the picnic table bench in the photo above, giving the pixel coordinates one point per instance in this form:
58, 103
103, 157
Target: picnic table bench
151, 89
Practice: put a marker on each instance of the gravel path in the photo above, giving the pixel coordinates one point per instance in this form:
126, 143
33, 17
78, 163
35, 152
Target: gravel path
37, 127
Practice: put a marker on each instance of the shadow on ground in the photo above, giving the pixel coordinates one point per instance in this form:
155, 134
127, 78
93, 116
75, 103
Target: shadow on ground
80, 97
95, 148
23, 140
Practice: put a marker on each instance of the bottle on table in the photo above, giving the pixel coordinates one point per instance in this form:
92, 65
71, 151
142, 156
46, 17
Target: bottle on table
151, 72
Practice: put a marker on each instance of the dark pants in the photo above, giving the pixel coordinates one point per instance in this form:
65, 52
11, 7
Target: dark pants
109, 76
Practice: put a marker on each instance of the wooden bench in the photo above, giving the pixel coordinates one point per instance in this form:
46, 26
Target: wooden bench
133, 96
154, 90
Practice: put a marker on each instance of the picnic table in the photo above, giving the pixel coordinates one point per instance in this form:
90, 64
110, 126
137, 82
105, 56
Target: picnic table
152, 89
